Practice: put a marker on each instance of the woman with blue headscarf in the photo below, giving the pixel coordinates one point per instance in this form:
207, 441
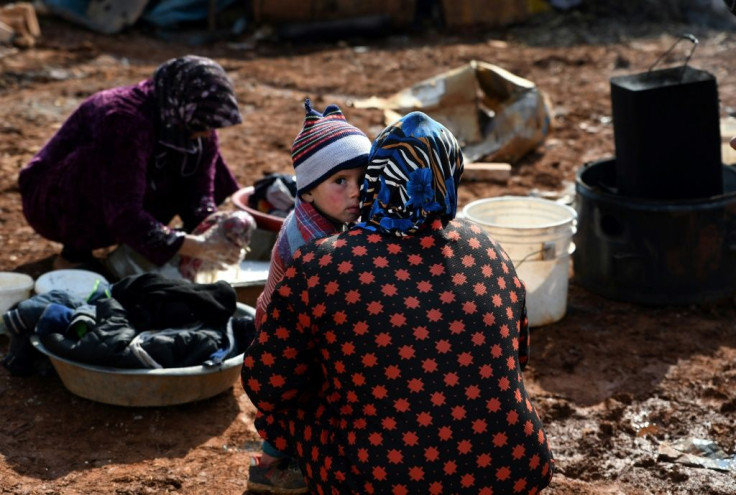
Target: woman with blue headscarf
390, 358
129, 160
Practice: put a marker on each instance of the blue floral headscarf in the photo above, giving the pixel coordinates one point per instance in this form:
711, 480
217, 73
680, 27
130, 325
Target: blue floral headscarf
413, 173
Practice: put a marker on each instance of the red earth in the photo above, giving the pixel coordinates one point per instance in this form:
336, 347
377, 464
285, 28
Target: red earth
615, 382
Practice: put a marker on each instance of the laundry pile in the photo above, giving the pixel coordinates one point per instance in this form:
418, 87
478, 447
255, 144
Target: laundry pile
142, 321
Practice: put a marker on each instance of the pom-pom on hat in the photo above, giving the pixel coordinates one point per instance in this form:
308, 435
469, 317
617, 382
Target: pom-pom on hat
326, 145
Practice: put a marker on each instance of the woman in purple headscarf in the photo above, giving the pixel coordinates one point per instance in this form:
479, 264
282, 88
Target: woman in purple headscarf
129, 160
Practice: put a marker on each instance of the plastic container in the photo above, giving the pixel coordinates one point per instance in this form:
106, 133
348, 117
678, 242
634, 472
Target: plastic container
14, 288
79, 283
263, 220
537, 235
251, 281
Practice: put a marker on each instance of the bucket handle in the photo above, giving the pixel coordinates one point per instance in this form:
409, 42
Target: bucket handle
685, 36
548, 252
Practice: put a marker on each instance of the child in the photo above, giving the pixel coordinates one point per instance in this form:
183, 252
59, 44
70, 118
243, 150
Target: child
329, 157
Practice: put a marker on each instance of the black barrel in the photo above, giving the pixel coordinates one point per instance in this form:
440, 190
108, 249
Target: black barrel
667, 134
653, 252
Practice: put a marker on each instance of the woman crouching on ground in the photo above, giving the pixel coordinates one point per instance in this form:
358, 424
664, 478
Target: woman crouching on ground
390, 358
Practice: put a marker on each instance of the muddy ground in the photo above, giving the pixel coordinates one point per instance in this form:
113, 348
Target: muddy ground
615, 382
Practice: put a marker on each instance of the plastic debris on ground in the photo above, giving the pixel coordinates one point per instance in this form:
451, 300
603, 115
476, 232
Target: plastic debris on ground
495, 115
698, 452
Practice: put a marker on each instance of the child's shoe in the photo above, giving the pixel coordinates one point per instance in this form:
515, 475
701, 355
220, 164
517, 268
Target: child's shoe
282, 477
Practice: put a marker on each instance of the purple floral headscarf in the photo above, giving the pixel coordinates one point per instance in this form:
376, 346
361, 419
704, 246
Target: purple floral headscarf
194, 94
413, 173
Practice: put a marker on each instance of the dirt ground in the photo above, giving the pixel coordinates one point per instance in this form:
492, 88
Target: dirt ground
614, 382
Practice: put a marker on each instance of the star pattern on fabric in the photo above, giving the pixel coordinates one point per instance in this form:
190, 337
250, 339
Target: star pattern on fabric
394, 366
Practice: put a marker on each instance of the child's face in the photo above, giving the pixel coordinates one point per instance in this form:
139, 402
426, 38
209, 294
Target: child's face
338, 197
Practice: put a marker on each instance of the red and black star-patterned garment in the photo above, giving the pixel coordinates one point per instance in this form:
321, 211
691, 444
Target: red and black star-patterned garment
393, 365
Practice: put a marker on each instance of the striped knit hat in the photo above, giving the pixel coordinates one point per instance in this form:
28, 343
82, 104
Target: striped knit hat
326, 145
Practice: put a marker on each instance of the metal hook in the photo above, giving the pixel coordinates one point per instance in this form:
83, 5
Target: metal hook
686, 36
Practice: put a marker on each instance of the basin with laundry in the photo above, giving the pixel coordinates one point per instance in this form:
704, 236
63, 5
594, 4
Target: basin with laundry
146, 387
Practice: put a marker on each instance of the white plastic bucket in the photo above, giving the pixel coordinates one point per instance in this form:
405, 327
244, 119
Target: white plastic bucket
14, 288
537, 235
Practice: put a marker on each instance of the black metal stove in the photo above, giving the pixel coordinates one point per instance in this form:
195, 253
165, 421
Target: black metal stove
657, 223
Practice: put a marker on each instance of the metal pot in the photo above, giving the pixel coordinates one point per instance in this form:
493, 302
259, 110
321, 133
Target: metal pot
653, 252
667, 133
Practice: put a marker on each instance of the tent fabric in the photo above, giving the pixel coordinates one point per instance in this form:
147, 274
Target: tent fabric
170, 13
106, 17
109, 16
